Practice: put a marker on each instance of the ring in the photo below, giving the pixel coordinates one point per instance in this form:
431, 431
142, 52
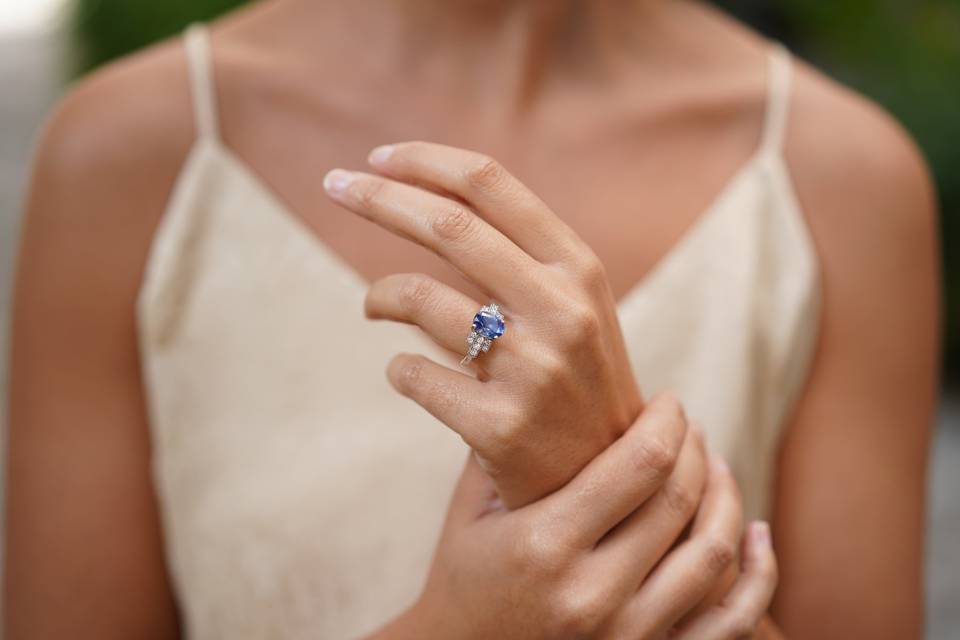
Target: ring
487, 326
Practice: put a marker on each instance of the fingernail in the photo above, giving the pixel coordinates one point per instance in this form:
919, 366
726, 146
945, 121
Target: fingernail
337, 181
380, 154
760, 531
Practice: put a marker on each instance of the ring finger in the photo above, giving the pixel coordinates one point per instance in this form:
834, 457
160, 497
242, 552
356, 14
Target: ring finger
442, 312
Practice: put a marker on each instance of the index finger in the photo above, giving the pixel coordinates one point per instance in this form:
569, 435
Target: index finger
482, 182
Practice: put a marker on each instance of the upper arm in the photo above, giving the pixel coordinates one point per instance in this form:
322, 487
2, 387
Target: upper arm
849, 514
83, 542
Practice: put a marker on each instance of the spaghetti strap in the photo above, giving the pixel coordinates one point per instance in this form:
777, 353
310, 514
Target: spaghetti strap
202, 89
778, 97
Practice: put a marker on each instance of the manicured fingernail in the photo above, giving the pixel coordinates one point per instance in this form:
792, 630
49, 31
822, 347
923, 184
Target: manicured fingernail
380, 154
760, 531
337, 181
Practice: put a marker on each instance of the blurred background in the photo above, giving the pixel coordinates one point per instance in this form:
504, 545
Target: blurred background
903, 53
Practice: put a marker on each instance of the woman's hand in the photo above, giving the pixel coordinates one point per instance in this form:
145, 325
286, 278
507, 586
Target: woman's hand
741, 613
557, 388
551, 395
598, 558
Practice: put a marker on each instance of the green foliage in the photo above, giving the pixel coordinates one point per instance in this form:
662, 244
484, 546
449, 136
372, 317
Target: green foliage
903, 53
106, 29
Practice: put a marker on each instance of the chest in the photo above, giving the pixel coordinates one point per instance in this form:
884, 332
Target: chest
630, 185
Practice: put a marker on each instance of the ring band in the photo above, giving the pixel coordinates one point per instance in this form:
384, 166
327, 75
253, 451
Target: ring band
488, 325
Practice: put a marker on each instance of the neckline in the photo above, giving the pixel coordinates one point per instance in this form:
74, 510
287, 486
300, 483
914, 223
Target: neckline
766, 151
636, 291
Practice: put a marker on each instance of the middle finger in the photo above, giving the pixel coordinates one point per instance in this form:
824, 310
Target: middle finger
449, 229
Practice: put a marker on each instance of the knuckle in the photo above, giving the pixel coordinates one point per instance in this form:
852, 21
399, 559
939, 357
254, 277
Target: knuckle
415, 293
655, 455
718, 553
454, 223
590, 271
580, 610
539, 551
368, 192
551, 370
409, 374
679, 498
581, 324
503, 437
484, 173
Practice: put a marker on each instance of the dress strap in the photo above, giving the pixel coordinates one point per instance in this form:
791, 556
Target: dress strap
202, 88
779, 71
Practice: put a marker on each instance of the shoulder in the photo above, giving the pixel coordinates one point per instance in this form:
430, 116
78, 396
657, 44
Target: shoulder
102, 172
846, 155
862, 185
861, 180
127, 125
869, 201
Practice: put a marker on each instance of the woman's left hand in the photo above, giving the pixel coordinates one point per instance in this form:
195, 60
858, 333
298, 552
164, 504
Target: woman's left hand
557, 388
741, 612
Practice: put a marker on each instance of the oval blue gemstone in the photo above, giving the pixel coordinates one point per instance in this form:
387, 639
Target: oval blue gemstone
488, 325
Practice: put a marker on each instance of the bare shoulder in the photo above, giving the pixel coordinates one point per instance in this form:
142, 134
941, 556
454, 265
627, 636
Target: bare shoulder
869, 201
103, 169
121, 131
861, 179
853, 165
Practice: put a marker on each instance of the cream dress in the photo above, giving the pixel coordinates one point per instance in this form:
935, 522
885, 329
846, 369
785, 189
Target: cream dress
301, 496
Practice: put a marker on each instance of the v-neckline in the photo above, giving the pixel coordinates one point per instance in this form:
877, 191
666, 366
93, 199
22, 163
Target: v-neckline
636, 291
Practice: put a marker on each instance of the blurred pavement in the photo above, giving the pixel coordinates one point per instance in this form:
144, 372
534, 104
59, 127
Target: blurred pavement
30, 84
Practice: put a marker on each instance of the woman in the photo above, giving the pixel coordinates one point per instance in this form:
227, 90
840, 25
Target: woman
201, 440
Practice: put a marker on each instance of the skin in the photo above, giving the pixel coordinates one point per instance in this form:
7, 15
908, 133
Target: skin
546, 402
567, 582
558, 389
651, 86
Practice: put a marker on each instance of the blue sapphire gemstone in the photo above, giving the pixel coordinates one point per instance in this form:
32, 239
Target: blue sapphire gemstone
488, 325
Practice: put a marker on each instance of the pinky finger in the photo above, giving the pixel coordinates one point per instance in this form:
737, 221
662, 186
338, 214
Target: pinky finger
456, 399
738, 615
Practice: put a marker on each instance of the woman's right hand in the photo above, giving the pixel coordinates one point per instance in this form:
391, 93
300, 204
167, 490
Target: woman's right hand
595, 558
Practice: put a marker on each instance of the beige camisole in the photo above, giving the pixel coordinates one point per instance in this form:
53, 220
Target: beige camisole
301, 497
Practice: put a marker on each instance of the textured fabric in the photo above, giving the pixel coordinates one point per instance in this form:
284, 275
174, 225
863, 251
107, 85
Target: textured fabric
301, 497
